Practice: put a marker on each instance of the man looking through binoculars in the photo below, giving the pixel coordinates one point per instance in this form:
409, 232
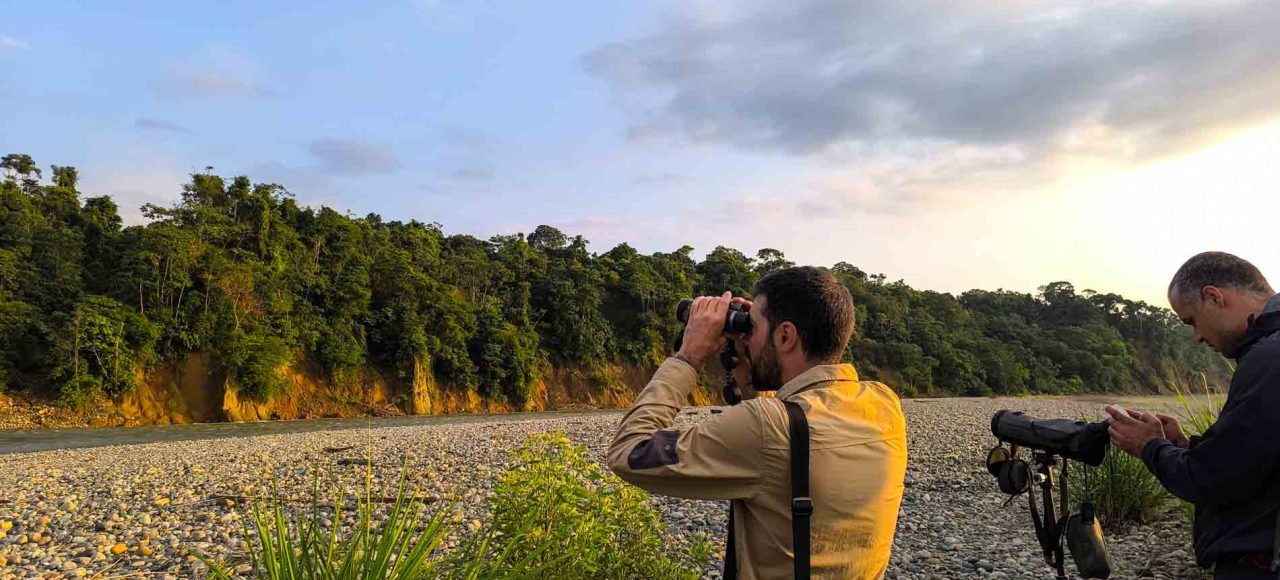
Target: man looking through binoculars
800, 322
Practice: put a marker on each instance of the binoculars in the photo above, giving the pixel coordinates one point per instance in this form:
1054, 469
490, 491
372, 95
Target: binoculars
735, 320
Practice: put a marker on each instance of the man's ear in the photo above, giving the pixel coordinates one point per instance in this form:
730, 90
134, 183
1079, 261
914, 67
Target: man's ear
787, 338
1214, 295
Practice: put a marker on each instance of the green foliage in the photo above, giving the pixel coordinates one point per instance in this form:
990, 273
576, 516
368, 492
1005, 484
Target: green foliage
105, 347
1123, 491
556, 507
257, 363
555, 514
726, 269
19, 324
506, 357
240, 270
1197, 411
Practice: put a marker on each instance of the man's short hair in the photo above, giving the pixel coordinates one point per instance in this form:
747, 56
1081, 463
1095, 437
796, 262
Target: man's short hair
813, 300
1216, 269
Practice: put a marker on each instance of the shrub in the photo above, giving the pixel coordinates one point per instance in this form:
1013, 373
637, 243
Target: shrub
79, 392
556, 506
1122, 490
104, 347
256, 362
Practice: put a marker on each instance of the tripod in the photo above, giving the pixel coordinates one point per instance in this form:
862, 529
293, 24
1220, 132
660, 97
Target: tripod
1049, 532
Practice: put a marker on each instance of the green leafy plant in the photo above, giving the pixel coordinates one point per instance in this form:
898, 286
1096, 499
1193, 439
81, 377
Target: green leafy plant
1122, 490
556, 507
105, 347
289, 545
1197, 411
256, 361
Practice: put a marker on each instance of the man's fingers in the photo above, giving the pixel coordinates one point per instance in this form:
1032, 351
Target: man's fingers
721, 304
1120, 417
1147, 417
1127, 417
742, 301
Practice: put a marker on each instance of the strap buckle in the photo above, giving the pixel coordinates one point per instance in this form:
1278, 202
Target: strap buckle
802, 506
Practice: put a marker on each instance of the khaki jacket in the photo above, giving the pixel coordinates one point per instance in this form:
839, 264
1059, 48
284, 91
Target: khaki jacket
858, 460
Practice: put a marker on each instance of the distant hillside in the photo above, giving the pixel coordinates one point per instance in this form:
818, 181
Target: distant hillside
240, 273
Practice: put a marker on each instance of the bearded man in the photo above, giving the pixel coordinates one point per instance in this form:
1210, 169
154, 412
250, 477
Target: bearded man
801, 320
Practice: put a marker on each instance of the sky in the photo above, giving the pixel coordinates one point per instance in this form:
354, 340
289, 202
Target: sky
951, 144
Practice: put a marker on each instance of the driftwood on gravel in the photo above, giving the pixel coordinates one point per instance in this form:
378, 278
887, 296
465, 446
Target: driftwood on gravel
263, 498
354, 461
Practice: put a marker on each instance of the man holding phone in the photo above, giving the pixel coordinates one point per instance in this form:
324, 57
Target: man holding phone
1231, 472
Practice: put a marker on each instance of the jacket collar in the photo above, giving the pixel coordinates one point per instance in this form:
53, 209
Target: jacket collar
1273, 305
1260, 327
818, 374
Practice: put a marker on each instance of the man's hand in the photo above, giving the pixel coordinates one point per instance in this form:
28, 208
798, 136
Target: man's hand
704, 333
1172, 430
1132, 430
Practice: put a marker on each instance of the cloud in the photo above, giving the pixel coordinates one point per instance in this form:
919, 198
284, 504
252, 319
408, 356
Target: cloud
1131, 80
658, 179
9, 42
473, 173
349, 157
468, 140
217, 74
150, 124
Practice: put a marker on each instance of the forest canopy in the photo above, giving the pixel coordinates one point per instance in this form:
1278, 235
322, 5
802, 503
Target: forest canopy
238, 270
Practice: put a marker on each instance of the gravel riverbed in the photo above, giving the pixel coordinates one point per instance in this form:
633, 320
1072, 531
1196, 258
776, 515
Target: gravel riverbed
143, 511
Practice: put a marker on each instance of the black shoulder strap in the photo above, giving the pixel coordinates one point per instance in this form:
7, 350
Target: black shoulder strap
730, 550
801, 503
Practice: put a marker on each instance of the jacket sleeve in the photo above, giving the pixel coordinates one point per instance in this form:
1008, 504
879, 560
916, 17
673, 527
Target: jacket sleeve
1236, 456
715, 459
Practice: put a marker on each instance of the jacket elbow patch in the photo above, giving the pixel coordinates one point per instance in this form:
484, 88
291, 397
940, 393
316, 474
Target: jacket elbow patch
656, 451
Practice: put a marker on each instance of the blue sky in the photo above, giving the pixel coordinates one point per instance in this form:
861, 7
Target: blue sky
952, 144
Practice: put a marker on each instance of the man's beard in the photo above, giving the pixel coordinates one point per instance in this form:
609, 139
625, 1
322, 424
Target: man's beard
766, 375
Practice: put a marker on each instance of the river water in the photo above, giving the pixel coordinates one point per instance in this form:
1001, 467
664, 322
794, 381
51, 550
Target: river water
26, 441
